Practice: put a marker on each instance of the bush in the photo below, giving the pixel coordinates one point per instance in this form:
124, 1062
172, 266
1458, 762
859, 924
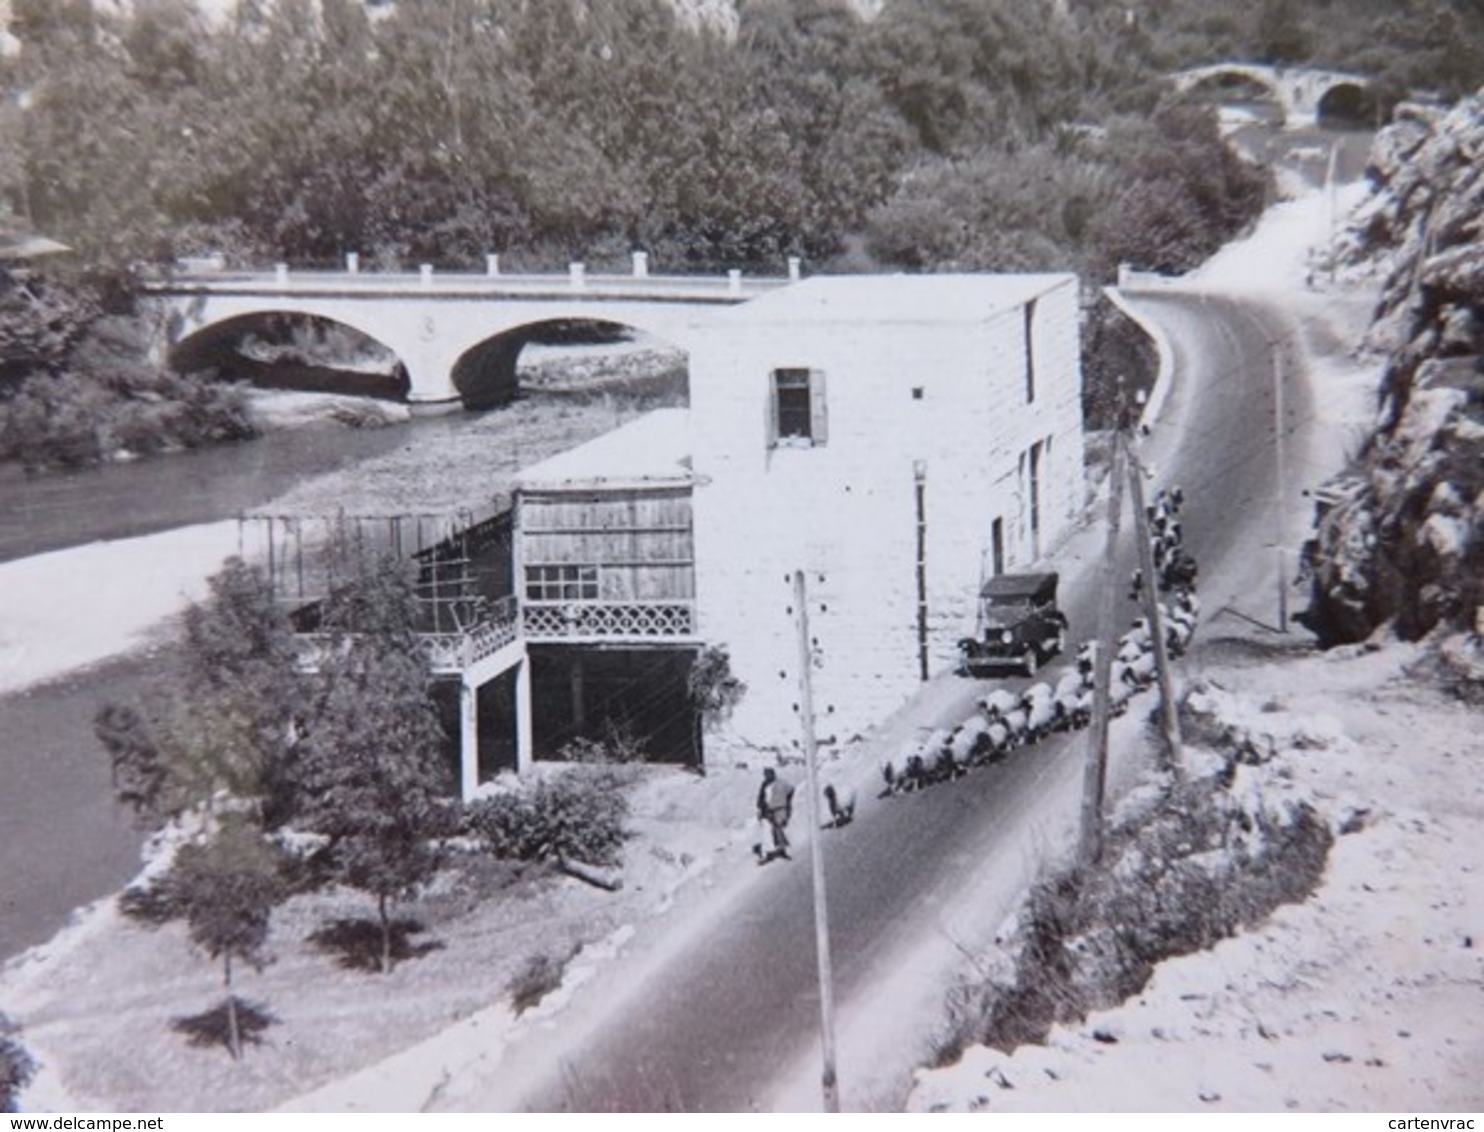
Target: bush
571, 817
537, 977
16, 1066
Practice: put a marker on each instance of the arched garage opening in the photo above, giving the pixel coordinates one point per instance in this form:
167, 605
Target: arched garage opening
1348, 106
572, 358
288, 350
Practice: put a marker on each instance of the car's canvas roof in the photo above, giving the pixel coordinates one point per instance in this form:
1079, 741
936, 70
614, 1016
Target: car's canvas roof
1021, 585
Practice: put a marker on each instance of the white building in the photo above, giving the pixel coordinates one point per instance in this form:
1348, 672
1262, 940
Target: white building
814, 410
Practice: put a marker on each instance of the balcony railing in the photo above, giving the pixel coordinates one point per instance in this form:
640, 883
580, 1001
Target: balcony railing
599, 620
497, 624
492, 626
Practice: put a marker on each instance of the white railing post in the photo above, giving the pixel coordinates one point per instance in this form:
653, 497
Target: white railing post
734, 282
576, 276
352, 263
281, 274
793, 269
641, 265
425, 274
492, 265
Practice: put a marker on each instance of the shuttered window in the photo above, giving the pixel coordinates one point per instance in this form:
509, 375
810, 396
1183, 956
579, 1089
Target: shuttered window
798, 413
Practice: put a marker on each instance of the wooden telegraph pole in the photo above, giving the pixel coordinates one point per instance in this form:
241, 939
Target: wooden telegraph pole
1280, 521
1095, 772
828, 1081
1169, 717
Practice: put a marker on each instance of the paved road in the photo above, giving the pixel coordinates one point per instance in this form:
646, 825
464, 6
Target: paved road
730, 1021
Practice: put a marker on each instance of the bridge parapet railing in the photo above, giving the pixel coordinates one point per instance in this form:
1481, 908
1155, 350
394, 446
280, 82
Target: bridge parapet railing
227, 282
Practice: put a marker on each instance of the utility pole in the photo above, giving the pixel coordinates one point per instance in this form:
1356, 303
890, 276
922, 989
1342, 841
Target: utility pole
828, 1081
1280, 524
1329, 190
1095, 770
1169, 717
919, 476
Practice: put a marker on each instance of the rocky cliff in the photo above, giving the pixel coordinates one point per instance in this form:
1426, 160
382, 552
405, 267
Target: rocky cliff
1403, 539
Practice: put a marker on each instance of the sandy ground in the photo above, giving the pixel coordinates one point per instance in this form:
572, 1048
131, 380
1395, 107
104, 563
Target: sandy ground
1367, 997
72, 608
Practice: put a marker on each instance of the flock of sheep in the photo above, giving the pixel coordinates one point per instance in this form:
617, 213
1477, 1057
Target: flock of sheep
1003, 721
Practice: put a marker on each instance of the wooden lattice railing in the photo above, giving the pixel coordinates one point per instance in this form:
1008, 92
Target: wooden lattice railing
579, 620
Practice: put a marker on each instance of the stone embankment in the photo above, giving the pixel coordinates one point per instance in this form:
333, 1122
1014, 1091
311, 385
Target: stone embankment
1403, 539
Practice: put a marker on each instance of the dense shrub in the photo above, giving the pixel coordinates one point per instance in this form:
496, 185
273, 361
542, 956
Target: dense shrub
16, 1066
573, 816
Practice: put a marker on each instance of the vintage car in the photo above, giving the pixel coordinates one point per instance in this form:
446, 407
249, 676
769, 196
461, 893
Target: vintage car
1019, 625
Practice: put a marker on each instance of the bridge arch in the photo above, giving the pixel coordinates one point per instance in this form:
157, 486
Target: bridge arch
487, 373
288, 340
1347, 103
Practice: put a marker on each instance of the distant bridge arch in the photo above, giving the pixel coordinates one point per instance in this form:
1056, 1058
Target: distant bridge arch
1300, 91
457, 335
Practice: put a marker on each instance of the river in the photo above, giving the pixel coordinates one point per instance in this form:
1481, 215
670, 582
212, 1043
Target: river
58, 510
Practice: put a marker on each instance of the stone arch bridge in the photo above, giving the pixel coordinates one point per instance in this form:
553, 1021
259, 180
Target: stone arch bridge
1303, 94
457, 335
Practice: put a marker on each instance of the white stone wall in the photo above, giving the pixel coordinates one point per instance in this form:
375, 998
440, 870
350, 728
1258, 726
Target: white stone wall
845, 511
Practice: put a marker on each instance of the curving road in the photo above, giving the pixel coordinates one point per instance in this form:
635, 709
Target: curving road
722, 1014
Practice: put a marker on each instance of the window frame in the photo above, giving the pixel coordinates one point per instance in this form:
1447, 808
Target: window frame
794, 379
561, 582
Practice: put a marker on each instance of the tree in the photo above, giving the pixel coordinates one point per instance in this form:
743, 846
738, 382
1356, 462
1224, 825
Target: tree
227, 723
1280, 33
373, 772
227, 888
713, 690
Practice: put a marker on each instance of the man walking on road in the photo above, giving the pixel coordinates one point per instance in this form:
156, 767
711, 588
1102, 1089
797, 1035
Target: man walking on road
775, 803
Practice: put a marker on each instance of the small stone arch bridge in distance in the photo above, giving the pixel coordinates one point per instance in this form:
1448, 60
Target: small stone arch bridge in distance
457, 335
1299, 91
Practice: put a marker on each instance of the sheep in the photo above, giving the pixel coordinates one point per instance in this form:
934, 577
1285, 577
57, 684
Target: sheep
1039, 705
1131, 647
1139, 633
1186, 599
997, 703
1017, 723
998, 742
1073, 700
1179, 572
904, 772
969, 741
1138, 672
841, 805
1120, 692
938, 756
1087, 657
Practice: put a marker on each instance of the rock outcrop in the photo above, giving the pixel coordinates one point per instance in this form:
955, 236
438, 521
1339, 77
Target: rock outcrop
1403, 541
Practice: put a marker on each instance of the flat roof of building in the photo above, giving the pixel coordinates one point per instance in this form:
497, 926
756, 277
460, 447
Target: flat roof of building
652, 451
878, 299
